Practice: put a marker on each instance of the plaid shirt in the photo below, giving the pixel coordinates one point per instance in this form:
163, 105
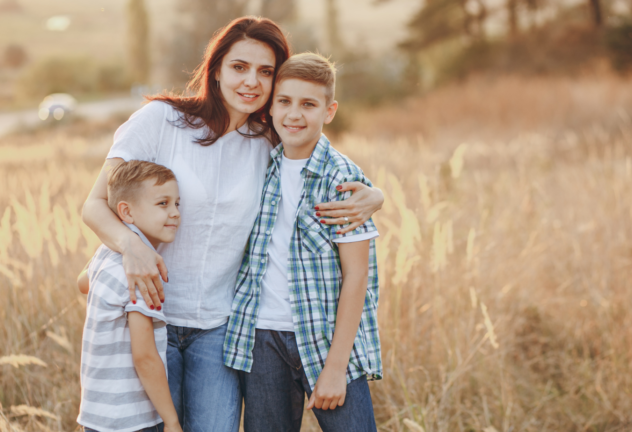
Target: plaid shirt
314, 273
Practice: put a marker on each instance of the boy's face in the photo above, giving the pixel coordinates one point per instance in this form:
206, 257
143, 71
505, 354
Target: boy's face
299, 111
154, 211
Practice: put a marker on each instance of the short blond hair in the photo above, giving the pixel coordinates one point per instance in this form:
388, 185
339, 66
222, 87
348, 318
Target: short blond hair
125, 180
313, 68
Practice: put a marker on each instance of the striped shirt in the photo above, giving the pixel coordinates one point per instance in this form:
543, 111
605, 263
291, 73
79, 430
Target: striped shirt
314, 273
112, 396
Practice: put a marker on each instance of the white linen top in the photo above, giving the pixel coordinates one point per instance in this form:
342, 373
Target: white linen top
220, 191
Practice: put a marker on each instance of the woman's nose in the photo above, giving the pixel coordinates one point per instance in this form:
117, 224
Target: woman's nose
251, 79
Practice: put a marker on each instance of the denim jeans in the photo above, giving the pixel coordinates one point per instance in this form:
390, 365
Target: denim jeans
158, 428
205, 393
274, 391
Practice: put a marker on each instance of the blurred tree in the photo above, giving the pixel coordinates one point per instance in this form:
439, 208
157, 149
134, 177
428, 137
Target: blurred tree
196, 23
441, 20
10, 6
596, 12
138, 41
336, 46
15, 56
280, 11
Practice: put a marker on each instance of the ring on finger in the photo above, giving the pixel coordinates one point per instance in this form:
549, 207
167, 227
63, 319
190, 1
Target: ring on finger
346, 219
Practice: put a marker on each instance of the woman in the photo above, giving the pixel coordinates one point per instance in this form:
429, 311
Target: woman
217, 143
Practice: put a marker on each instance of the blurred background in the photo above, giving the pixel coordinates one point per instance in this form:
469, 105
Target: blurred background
499, 130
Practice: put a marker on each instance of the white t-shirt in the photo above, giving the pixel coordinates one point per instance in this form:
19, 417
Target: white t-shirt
220, 191
275, 312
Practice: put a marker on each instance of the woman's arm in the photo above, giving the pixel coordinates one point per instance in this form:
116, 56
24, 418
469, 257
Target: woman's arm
143, 266
151, 370
359, 208
331, 386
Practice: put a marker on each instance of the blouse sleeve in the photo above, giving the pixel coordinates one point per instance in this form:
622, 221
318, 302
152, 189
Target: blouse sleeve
139, 137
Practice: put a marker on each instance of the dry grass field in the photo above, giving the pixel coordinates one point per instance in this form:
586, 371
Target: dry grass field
505, 258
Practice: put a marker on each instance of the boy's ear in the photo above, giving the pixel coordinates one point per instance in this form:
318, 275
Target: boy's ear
331, 112
124, 212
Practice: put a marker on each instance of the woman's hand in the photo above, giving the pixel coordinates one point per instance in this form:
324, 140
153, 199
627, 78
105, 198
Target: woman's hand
144, 268
359, 208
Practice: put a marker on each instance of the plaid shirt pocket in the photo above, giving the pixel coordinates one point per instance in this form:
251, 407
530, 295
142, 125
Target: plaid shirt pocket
314, 236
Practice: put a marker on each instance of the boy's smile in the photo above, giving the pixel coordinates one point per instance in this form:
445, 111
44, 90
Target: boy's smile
299, 110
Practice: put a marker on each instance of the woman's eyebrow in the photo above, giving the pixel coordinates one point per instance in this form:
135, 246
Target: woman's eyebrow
248, 63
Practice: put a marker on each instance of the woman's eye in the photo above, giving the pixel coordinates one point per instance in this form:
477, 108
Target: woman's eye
267, 72
239, 67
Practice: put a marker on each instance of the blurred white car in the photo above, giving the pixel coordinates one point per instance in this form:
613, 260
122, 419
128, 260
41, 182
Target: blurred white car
57, 106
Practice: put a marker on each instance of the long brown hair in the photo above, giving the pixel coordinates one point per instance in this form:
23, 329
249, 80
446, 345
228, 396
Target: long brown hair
205, 107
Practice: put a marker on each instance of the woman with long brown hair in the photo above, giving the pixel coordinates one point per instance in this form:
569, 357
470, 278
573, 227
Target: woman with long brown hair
217, 142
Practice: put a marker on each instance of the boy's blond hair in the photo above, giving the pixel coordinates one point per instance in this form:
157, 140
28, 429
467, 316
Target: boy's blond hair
126, 178
310, 67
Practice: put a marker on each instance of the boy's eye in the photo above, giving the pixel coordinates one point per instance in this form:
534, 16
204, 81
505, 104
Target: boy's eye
308, 104
284, 101
177, 204
162, 203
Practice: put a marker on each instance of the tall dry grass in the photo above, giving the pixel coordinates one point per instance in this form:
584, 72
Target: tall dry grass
504, 268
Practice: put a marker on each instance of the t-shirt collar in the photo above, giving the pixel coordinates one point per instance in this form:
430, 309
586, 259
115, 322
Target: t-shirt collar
316, 162
141, 235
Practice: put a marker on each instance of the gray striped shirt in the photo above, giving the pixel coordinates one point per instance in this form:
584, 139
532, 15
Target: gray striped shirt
112, 396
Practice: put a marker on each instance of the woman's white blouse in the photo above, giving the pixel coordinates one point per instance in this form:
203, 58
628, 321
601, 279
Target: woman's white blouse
220, 191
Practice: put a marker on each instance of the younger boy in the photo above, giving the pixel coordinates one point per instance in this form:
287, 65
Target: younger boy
305, 310
123, 362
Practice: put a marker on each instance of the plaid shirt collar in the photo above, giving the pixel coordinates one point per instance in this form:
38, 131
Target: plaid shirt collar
317, 161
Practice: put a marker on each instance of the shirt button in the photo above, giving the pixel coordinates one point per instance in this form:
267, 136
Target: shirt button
273, 202
268, 232
263, 260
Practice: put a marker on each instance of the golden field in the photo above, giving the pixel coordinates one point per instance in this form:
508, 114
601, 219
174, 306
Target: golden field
505, 257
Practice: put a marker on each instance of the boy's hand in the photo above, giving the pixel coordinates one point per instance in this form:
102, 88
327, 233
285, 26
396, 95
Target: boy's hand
173, 427
330, 390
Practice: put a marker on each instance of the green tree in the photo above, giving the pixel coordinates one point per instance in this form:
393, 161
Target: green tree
138, 41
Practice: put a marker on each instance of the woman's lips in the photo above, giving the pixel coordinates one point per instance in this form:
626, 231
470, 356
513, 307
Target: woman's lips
248, 97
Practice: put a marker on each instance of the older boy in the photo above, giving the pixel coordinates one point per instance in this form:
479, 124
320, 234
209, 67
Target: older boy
305, 310
123, 374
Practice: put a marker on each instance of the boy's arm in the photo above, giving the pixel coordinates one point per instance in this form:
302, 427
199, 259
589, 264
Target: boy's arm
83, 282
151, 370
331, 386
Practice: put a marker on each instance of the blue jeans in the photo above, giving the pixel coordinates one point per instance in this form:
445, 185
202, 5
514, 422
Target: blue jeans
158, 428
274, 391
205, 392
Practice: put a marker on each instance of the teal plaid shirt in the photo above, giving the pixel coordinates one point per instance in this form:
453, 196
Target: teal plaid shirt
314, 273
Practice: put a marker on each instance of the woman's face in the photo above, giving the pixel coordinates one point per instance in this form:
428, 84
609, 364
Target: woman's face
245, 77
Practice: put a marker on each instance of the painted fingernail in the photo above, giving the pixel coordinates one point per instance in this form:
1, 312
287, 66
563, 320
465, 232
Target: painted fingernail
337, 232
134, 301
162, 301
159, 308
317, 213
338, 187
151, 307
322, 221
316, 208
